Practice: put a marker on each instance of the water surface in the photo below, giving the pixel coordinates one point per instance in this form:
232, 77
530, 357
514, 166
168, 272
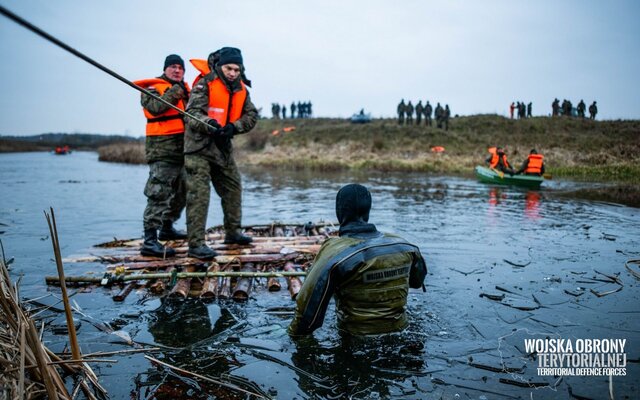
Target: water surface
531, 246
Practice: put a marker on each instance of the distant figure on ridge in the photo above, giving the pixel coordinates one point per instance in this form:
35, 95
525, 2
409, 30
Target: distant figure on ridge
439, 114
427, 114
511, 108
555, 108
401, 110
419, 111
529, 109
293, 110
445, 117
284, 112
582, 108
409, 111
593, 110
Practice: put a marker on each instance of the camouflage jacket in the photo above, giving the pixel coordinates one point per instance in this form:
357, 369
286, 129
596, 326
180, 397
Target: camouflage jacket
197, 138
167, 148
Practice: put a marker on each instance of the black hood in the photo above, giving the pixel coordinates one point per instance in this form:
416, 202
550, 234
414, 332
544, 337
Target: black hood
353, 204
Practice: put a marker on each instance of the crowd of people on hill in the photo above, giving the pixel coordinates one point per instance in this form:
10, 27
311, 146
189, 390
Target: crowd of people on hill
441, 115
296, 110
567, 109
524, 110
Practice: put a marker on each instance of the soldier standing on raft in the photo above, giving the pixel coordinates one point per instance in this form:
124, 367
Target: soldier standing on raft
221, 100
165, 189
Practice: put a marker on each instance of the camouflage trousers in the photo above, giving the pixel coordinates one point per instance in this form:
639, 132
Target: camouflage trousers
166, 194
226, 182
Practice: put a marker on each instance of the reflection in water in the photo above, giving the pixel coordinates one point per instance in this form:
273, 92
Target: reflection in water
352, 365
531, 205
178, 323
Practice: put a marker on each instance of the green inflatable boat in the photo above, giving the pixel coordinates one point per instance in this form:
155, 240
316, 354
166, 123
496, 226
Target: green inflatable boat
490, 175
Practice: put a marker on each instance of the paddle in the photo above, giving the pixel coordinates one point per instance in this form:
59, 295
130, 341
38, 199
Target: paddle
547, 176
500, 173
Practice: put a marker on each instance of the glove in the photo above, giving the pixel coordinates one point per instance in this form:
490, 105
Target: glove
213, 127
184, 89
228, 131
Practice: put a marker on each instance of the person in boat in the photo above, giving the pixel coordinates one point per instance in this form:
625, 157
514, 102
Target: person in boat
222, 103
498, 161
165, 189
368, 272
533, 165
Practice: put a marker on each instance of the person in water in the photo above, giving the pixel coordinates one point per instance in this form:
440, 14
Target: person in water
368, 272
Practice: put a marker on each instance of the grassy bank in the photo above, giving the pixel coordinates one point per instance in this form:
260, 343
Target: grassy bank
49, 141
579, 149
129, 153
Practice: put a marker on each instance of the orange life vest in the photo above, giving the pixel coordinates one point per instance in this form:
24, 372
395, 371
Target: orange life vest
535, 164
224, 107
169, 122
495, 158
202, 66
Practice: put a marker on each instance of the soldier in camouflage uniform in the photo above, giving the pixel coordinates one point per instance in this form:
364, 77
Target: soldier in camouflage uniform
419, 111
593, 110
165, 188
401, 110
369, 273
428, 109
446, 114
408, 110
222, 102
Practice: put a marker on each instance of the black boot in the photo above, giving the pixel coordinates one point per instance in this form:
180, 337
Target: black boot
151, 247
168, 232
237, 238
203, 252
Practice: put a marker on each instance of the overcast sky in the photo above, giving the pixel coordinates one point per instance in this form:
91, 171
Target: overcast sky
476, 56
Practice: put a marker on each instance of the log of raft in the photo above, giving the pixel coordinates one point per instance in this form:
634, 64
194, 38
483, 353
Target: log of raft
293, 282
229, 275
210, 284
243, 285
182, 286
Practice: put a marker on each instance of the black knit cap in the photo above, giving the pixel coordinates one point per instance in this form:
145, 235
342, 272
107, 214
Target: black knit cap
353, 203
173, 59
230, 55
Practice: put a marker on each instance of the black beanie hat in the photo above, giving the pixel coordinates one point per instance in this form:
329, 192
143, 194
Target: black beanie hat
230, 55
173, 59
353, 203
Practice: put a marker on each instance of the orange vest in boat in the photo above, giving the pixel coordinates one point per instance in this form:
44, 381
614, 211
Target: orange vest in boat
168, 123
535, 164
495, 158
223, 106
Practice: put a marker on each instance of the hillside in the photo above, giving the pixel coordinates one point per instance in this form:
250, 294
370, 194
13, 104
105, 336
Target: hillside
48, 141
594, 150
573, 148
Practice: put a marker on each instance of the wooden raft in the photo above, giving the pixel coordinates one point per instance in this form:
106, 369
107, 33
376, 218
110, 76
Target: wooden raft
279, 253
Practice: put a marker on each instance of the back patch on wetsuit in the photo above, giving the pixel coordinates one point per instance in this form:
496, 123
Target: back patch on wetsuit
383, 275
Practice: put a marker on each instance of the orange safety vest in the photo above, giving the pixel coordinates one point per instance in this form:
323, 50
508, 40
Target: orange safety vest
224, 107
535, 164
495, 158
168, 123
202, 66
